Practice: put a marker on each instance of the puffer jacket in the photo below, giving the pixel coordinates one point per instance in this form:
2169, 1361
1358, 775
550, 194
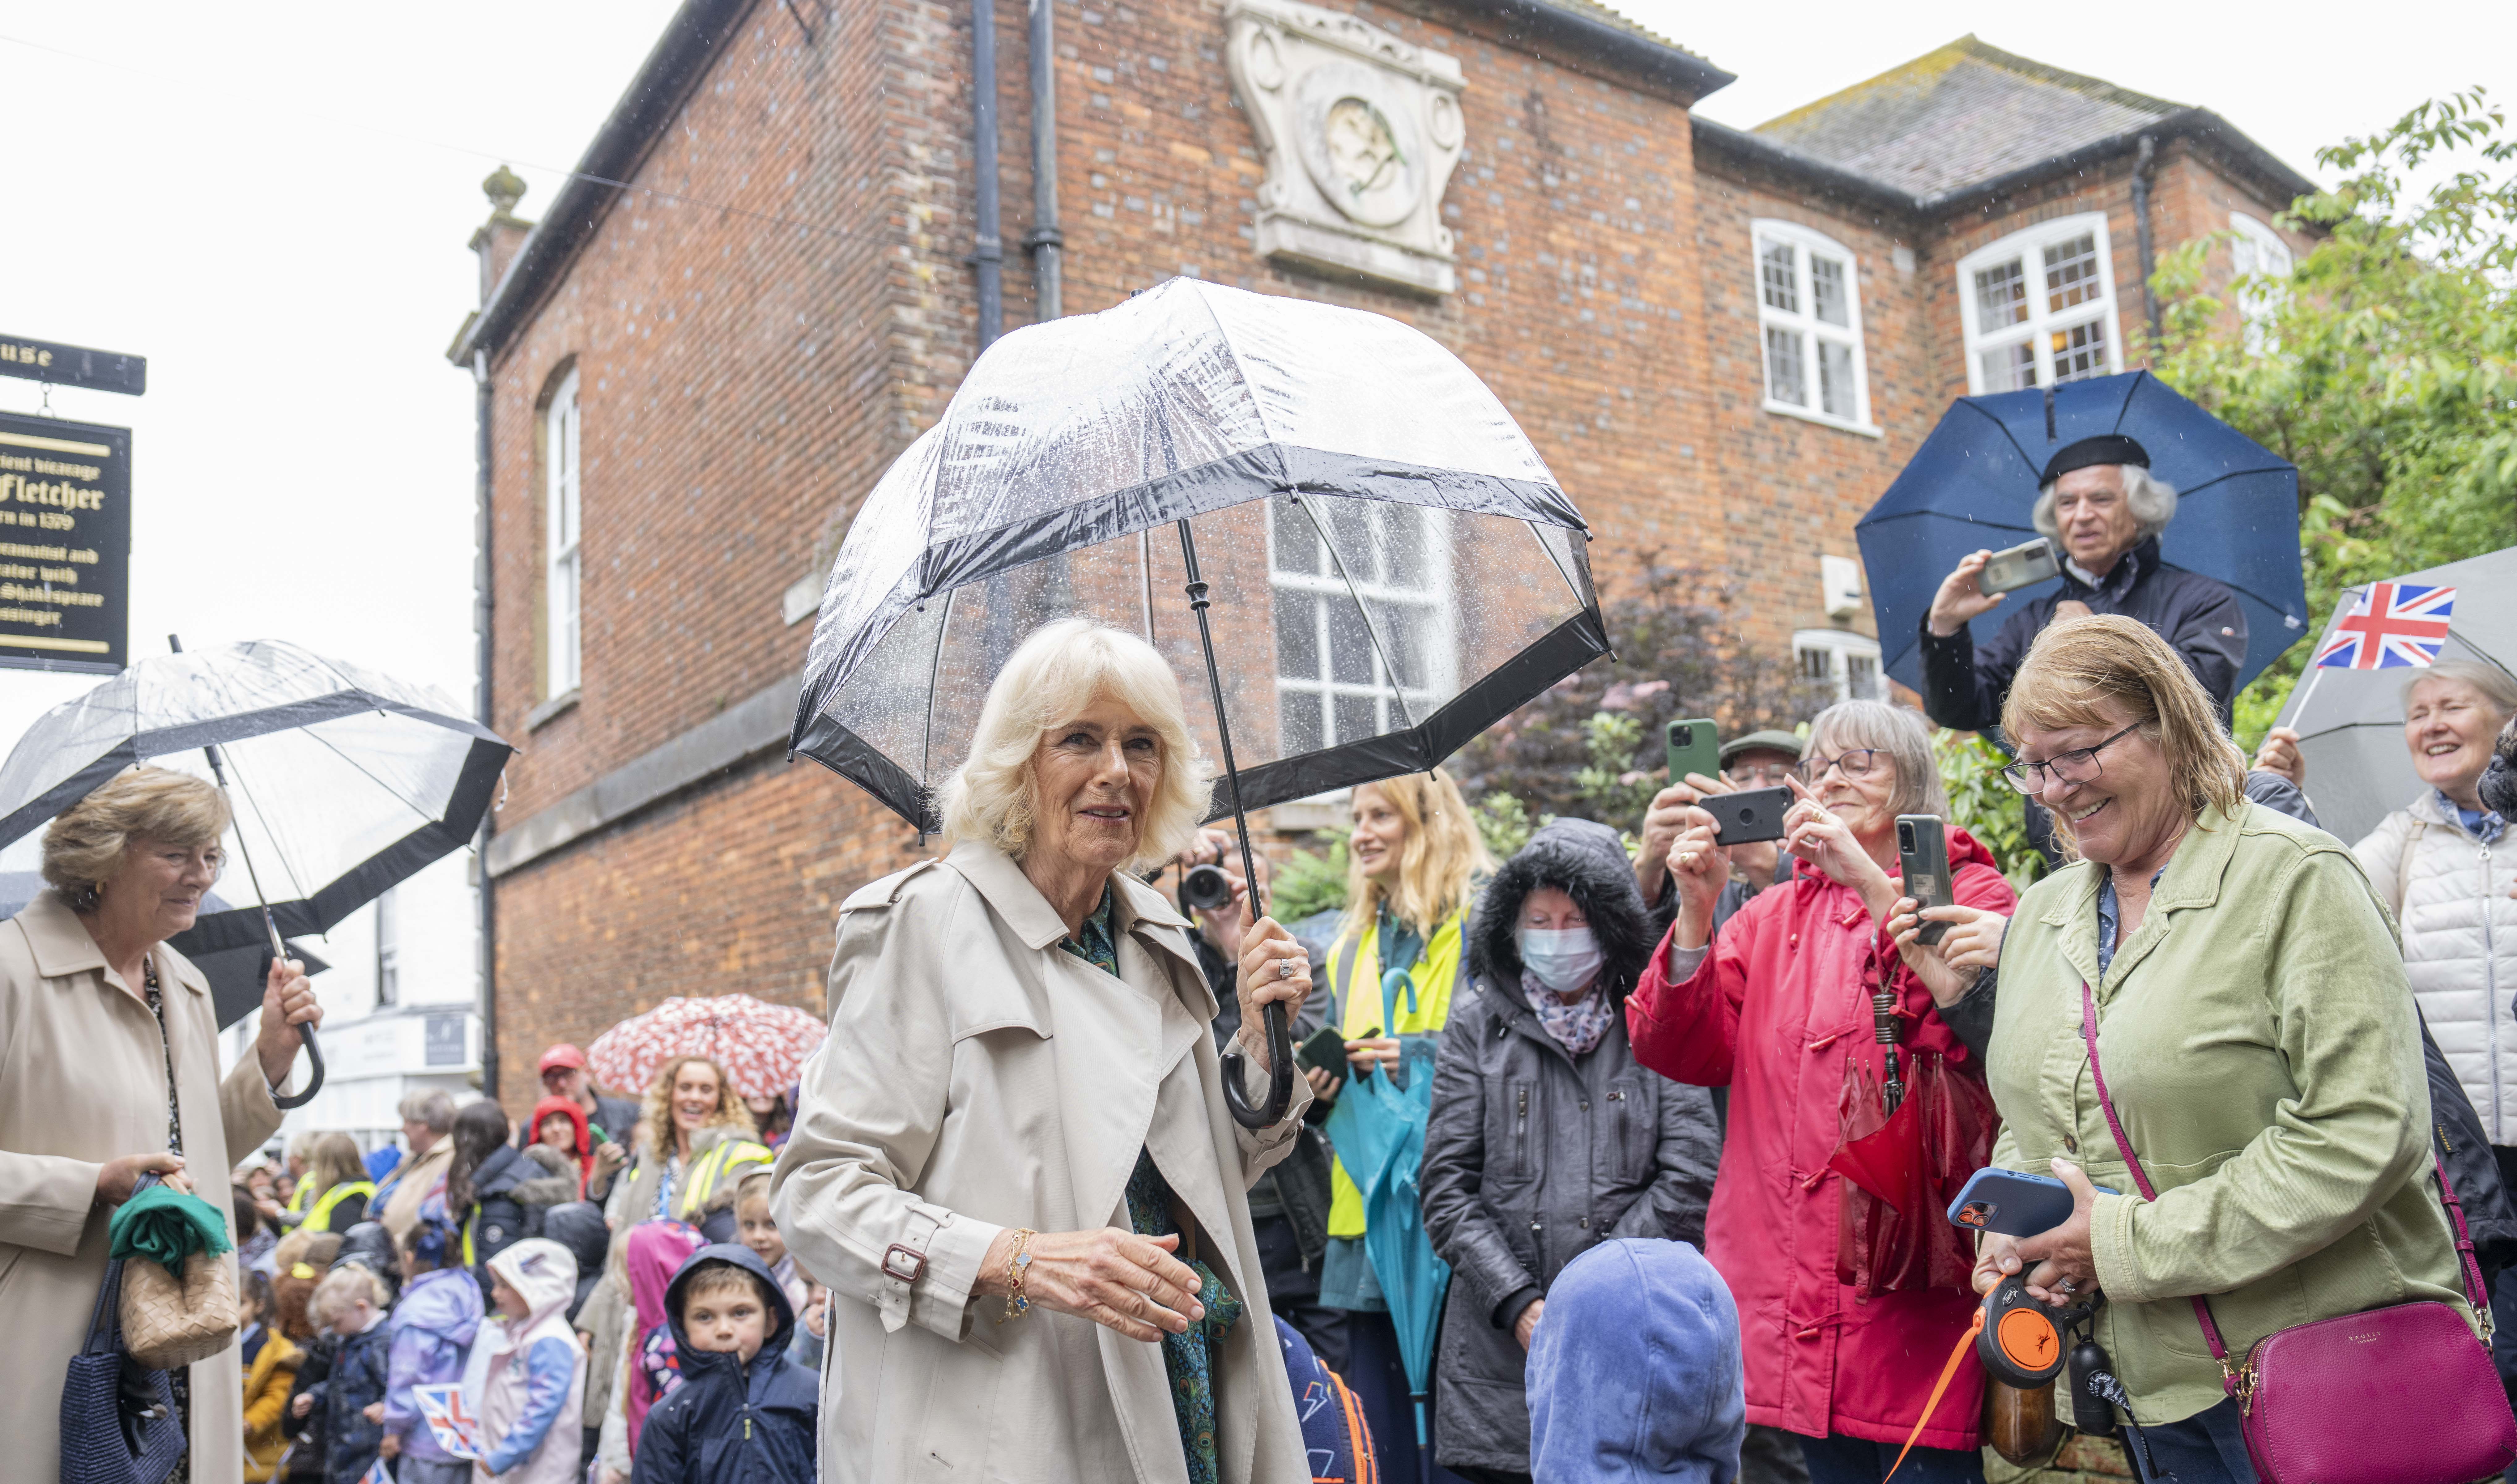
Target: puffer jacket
1532, 1155
2448, 892
267, 1385
729, 1423
1774, 1010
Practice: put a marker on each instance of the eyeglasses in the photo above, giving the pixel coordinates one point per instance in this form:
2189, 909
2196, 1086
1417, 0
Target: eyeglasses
1763, 775
1856, 763
2077, 766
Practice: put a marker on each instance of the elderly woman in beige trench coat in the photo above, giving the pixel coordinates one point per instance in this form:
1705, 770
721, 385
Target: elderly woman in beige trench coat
1020, 1103
83, 1105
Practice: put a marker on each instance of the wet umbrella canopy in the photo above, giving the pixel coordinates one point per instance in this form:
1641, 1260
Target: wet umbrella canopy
1391, 566
1973, 485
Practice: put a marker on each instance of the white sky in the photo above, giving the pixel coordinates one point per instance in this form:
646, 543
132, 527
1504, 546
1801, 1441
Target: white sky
275, 214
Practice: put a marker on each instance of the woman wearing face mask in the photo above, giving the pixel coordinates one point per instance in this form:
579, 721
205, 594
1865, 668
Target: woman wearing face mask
1400, 958
1772, 1008
1546, 1137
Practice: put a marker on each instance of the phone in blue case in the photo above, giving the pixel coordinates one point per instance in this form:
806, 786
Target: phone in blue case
2012, 1203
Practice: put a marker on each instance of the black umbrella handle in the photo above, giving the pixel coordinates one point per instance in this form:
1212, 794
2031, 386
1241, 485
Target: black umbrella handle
1280, 1037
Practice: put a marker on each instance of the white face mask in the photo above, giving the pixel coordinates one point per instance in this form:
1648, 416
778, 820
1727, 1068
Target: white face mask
1561, 959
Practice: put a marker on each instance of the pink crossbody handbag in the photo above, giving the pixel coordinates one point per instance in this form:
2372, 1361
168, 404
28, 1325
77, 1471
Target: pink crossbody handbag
2400, 1395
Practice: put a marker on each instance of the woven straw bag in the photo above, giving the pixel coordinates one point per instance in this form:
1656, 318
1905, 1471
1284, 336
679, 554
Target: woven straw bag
168, 1322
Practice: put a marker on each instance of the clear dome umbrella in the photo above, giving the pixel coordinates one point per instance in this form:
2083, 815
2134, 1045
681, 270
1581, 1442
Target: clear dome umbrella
343, 781
1349, 552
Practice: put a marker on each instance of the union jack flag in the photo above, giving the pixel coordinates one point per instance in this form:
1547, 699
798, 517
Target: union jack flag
2389, 626
450, 1419
376, 1474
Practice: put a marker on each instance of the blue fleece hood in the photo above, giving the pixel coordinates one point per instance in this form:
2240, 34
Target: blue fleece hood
446, 1302
1633, 1372
695, 1361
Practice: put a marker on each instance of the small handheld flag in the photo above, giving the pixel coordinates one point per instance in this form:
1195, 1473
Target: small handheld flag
449, 1420
2389, 626
376, 1474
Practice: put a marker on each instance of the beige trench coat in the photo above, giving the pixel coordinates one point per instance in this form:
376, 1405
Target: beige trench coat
83, 1081
978, 1076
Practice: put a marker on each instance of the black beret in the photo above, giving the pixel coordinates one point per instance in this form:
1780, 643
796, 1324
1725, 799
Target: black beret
2104, 448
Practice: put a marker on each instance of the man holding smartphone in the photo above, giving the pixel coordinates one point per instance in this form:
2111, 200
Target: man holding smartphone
1758, 760
2103, 511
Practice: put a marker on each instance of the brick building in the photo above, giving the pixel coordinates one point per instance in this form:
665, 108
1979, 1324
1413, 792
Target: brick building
768, 273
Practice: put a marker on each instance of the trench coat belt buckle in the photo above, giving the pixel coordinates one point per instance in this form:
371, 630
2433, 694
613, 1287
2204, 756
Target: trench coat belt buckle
904, 1262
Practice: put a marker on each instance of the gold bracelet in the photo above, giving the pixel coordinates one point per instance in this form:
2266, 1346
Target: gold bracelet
1017, 1264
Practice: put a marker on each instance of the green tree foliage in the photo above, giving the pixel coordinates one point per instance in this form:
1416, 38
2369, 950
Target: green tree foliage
1592, 745
1985, 807
2384, 365
1311, 881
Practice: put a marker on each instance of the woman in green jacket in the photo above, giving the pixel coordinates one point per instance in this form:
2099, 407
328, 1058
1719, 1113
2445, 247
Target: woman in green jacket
2258, 1039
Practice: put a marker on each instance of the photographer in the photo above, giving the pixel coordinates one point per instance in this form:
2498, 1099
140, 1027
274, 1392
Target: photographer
1758, 760
1289, 1206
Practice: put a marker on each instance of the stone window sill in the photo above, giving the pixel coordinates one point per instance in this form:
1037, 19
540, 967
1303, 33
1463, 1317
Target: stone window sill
1787, 409
551, 711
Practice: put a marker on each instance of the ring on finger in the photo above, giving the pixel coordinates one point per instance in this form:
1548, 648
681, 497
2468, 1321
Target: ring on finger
1284, 968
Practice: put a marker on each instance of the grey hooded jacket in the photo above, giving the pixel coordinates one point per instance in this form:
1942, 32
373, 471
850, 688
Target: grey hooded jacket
1532, 1155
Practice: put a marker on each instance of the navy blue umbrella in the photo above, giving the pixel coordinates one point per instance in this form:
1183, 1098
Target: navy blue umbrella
1974, 481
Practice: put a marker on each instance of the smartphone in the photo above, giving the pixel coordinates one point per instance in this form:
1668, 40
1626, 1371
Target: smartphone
2012, 1203
1326, 1050
1748, 815
1694, 747
2021, 566
1923, 846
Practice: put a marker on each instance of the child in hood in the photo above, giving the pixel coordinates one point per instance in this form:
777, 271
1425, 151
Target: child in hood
433, 1330
1634, 1371
527, 1374
745, 1413
559, 1125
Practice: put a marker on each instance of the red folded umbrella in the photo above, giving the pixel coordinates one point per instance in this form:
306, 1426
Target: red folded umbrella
1902, 1170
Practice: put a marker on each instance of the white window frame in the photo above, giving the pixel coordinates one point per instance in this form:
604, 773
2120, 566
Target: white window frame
1841, 648
1803, 323
2043, 322
563, 562
388, 947
1435, 599
2256, 249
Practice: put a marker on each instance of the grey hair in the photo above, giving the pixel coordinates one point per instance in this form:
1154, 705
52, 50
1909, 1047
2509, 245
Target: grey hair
1894, 730
433, 1106
2152, 502
2497, 691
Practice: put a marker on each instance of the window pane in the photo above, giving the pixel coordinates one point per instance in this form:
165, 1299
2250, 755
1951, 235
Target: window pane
1817, 665
2011, 368
1297, 546
1297, 722
1404, 631
1349, 527
1774, 271
2000, 295
1835, 378
1405, 546
2071, 273
2242, 255
1785, 380
1826, 291
1861, 675
1350, 643
1358, 716
2080, 352
1298, 636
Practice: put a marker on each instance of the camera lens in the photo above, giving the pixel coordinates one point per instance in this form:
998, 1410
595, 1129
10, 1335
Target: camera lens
1206, 888
1905, 837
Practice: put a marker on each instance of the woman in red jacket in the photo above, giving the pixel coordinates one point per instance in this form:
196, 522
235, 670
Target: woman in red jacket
1772, 1010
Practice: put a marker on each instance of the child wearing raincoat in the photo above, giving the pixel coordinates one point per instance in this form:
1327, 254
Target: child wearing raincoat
433, 1329
528, 1371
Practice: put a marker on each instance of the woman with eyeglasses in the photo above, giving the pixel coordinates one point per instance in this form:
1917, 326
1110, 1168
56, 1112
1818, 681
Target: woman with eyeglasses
1773, 1007
2256, 1032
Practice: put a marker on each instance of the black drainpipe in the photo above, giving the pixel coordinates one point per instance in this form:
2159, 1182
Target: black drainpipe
2143, 165
482, 602
988, 257
1045, 240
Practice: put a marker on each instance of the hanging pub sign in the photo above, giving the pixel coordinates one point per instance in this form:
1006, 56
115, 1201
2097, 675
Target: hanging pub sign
64, 544
74, 365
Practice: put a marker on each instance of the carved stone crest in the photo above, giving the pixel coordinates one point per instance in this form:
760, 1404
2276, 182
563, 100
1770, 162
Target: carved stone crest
1360, 131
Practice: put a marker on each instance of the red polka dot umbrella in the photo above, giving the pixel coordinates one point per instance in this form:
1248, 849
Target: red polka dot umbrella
761, 1046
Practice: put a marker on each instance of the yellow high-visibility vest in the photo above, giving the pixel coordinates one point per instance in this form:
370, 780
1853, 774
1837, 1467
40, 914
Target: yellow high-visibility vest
1354, 977
319, 1219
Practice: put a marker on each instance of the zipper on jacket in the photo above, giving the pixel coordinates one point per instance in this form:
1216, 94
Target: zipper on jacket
2490, 999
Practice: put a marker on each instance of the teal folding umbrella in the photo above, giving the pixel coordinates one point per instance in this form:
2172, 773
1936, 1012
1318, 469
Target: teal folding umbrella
1378, 1128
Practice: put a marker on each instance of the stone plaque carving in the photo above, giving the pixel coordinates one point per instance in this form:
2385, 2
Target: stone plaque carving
1360, 131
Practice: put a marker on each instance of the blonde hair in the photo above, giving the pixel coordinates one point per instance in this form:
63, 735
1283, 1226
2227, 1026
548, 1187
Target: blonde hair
1055, 674
335, 1161
341, 1288
1851, 725
755, 1185
1438, 865
655, 1117
84, 845
2107, 670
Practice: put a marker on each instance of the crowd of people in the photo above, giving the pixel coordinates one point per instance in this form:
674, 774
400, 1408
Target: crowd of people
1560, 1191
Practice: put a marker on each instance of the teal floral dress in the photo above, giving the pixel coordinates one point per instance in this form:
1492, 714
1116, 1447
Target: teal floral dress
1189, 1359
